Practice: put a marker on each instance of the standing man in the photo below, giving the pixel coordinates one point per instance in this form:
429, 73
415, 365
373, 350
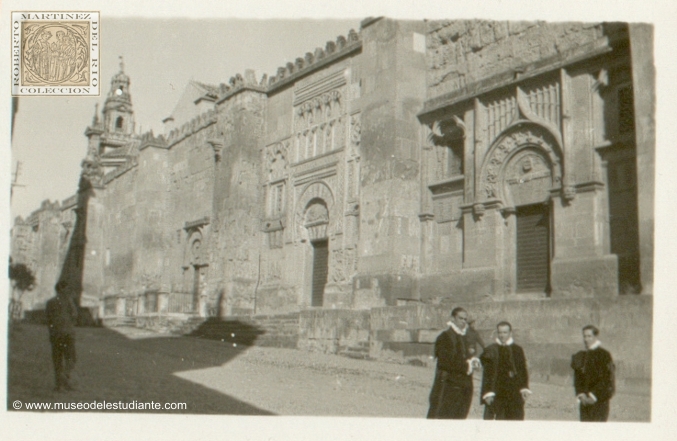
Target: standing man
62, 315
505, 383
452, 390
593, 377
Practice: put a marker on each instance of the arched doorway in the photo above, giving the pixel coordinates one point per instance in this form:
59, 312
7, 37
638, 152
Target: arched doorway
316, 219
520, 171
528, 180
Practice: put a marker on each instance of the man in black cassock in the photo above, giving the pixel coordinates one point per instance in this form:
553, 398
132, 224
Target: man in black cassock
505, 383
62, 316
451, 394
594, 380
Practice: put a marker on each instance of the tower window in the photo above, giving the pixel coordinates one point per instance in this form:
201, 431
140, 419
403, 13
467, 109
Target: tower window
118, 123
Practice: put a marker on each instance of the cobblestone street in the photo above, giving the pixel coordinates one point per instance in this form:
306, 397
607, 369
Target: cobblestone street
213, 377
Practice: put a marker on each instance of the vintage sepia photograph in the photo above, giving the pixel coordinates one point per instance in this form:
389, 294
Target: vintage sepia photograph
379, 217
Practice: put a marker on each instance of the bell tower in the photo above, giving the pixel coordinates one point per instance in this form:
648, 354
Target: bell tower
118, 115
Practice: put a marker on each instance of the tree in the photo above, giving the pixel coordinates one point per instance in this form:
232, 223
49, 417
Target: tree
22, 279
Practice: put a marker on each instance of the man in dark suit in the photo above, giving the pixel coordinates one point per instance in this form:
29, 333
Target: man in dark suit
593, 377
505, 383
451, 394
62, 315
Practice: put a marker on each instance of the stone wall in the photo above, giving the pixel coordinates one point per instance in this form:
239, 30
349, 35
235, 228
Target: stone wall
121, 252
463, 52
36, 242
548, 330
393, 90
237, 203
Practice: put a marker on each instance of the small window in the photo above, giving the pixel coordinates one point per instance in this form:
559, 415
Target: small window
454, 162
118, 123
276, 200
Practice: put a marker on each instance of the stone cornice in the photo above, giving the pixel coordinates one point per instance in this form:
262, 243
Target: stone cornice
196, 223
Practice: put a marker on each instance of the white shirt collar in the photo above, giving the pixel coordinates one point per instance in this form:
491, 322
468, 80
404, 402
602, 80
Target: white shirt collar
595, 345
456, 329
507, 343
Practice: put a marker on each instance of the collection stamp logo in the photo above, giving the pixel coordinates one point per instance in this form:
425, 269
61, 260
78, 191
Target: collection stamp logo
55, 53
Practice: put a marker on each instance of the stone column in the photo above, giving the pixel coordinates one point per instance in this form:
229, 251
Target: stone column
393, 78
643, 83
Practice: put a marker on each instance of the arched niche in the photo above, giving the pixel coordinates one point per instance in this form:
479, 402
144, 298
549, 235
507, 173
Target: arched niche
195, 253
315, 196
316, 219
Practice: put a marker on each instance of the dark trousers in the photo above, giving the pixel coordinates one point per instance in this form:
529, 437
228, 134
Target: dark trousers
63, 357
598, 412
505, 408
450, 398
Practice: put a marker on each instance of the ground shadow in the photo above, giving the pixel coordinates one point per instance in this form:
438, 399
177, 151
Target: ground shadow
230, 331
112, 367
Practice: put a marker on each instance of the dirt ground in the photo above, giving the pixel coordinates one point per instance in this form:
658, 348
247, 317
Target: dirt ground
212, 377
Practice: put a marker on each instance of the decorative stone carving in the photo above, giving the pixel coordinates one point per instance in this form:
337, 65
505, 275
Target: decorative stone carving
337, 272
317, 122
353, 36
528, 178
317, 193
92, 171
217, 144
478, 210
569, 193
276, 160
316, 213
518, 157
195, 252
355, 134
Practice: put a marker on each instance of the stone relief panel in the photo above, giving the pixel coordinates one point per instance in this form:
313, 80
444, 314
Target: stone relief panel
500, 169
337, 267
355, 135
276, 160
528, 178
463, 52
353, 159
316, 191
316, 219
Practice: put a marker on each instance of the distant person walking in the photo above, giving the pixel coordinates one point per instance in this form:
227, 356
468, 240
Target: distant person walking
61, 318
451, 394
594, 380
505, 381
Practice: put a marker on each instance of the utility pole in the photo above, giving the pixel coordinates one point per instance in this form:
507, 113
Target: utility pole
17, 170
